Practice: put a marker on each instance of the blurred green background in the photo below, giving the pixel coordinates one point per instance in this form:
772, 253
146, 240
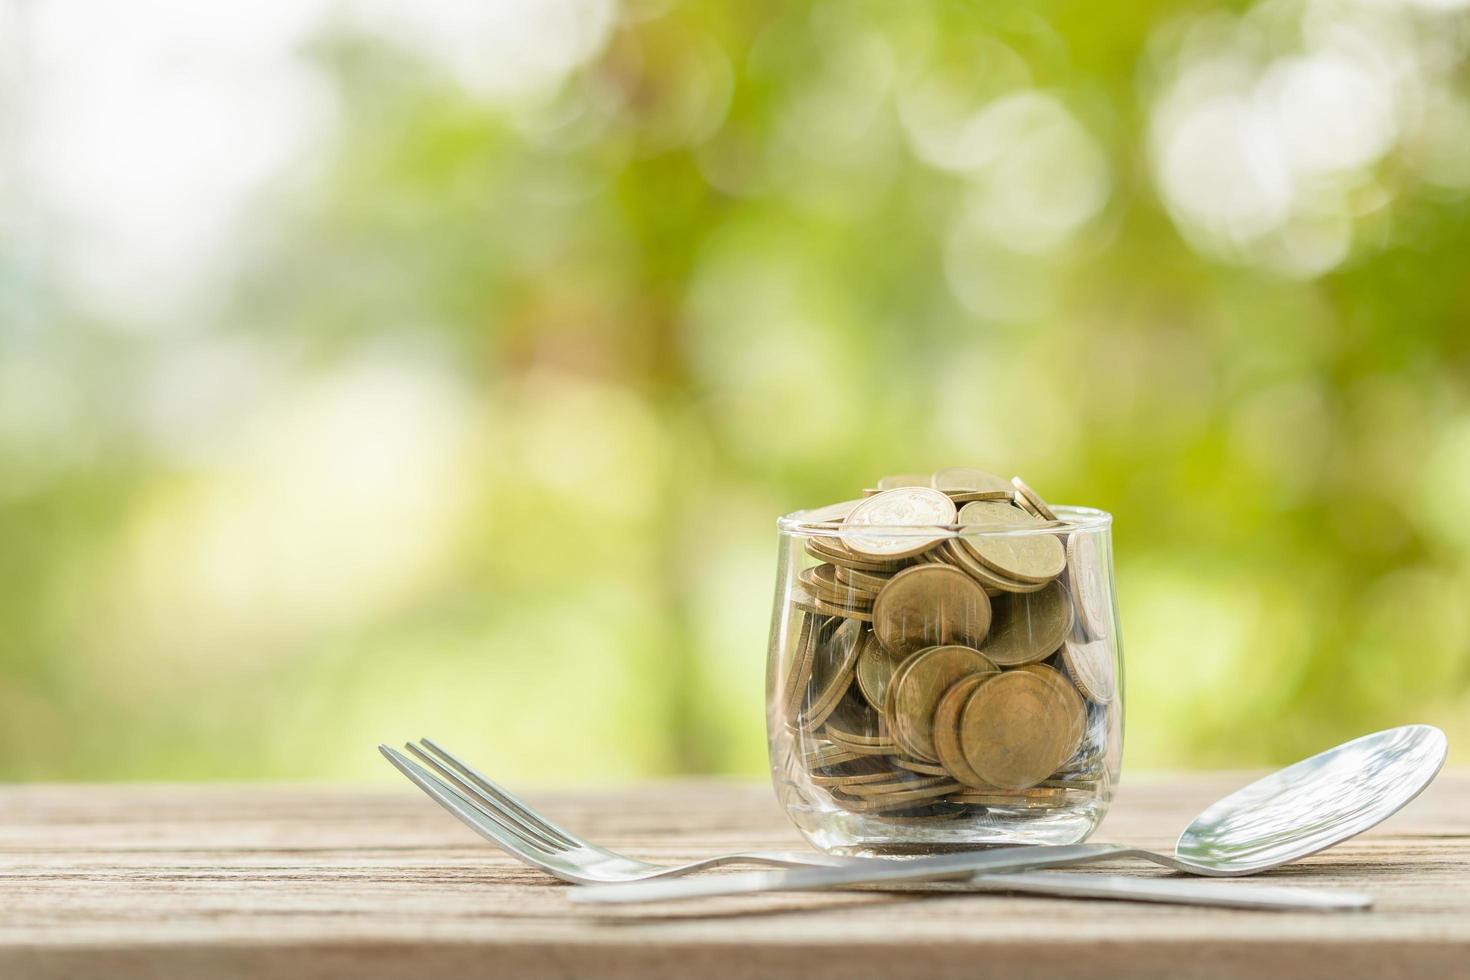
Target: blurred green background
376, 370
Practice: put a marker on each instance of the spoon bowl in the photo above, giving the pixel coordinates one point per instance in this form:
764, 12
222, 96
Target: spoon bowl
1312, 804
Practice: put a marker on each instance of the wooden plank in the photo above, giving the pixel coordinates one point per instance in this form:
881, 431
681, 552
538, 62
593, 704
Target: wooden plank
235, 881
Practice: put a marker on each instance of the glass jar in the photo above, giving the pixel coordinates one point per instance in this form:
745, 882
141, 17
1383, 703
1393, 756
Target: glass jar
941, 687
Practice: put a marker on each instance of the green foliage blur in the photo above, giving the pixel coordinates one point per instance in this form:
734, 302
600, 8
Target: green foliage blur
483, 426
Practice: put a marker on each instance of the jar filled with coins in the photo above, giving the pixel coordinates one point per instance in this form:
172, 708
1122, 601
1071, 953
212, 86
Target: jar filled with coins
945, 668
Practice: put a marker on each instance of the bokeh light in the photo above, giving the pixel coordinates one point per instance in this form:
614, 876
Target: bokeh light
1279, 135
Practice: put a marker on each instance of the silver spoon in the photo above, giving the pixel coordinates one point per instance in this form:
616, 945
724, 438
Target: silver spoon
1289, 814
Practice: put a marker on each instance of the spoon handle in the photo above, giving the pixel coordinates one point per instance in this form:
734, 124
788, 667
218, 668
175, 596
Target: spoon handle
1177, 891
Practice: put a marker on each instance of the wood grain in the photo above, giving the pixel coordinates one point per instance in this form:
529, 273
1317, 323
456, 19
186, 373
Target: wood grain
243, 881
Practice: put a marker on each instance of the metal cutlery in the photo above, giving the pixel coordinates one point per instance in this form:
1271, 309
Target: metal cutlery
499, 816
1287, 815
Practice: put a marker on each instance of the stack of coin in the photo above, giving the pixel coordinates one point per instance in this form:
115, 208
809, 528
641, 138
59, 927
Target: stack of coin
954, 652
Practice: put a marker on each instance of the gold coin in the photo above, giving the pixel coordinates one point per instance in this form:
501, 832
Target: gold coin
914, 509
857, 737
833, 664
996, 513
947, 729
844, 782
853, 722
856, 772
1067, 691
994, 583
1025, 505
1088, 575
866, 749
847, 768
1028, 628
889, 711
1080, 785
802, 599
1032, 500
821, 753
917, 690
857, 579
923, 768
963, 478
903, 663
890, 801
898, 784
874, 671
1090, 665
1025, 557
1018, 728
930, 605
800, 671
833, 551
821, 582
970, 496
902, 480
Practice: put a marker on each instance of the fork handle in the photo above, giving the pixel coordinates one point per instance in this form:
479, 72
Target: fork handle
770, 859
857, 872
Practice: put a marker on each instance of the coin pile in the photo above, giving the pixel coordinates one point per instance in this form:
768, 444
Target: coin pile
953, 652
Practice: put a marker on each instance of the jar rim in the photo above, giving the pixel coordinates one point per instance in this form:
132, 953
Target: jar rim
1072, 518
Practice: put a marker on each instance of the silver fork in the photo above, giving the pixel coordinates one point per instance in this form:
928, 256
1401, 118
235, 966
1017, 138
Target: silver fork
498, 816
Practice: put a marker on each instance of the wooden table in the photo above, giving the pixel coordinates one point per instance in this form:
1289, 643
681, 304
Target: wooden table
231, 881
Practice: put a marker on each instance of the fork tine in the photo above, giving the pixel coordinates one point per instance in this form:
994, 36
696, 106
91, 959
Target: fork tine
488, 806
486, 825
505, 797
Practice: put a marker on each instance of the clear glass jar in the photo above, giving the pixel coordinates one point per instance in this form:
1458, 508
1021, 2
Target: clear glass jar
920, 699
